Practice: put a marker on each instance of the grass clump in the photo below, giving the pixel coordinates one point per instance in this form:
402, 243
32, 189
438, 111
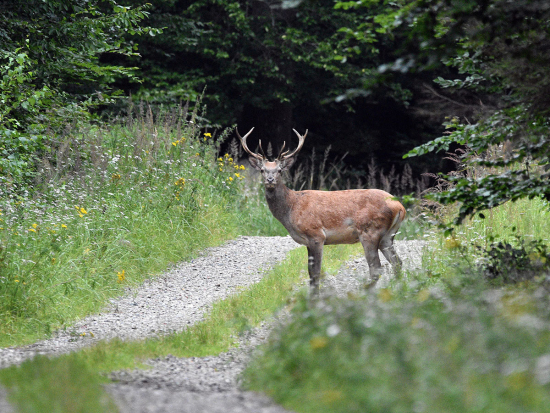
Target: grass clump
56, 385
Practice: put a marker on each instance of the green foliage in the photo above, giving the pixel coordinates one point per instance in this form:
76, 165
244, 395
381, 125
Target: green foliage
51, 71
60, 385
430, 350
263, 54
494, 47
506, 263
115, 205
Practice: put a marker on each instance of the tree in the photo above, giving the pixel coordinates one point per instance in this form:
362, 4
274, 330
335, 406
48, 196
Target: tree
501, 51
280, 68
51, 73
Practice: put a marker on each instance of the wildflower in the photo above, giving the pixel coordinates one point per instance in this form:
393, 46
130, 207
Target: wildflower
242, 168
230, 178
318, 342
16, 281
385, 295
175, 143
31, 230
219, 160
452, 243
54, 260
197, 154
83, 211
115, 177
35, 225
63, 226
180, 182
121, 276
226, 155
208, 135
237, 175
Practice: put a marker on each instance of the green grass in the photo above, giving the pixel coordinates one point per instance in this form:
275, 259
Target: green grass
41, 384
119, 204
443, 339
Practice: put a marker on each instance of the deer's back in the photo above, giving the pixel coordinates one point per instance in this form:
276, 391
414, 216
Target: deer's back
340, 216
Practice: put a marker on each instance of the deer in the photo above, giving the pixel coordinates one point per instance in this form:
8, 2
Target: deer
317, 218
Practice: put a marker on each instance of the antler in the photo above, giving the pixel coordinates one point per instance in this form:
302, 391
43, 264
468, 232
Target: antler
243, 142
286, 155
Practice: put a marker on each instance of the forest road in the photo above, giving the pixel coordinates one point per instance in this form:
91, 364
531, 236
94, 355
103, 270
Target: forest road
182, 297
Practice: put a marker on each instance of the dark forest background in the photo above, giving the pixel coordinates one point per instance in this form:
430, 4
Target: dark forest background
374, 79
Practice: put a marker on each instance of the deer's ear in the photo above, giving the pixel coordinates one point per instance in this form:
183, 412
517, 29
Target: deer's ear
255, 163
287, 163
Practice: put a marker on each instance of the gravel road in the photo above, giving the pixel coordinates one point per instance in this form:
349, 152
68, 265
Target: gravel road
180, 298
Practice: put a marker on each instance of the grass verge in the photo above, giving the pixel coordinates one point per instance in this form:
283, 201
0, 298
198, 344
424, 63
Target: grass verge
217, 333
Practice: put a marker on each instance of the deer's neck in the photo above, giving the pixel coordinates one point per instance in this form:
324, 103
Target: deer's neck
279, 200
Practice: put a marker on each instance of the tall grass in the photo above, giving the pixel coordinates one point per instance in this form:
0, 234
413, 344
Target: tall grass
115, 204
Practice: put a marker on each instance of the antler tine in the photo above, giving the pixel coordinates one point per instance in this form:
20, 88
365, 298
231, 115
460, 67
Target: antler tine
301, 139
281, 153
262, 149
245, 147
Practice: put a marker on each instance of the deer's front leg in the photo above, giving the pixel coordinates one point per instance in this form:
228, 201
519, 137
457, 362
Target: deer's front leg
315, 257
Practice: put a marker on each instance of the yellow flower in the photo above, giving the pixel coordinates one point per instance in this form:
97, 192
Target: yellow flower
209, 135
197, 154
237, 175
34, 225
63, 226
230, 178
16, 281
54, 260
31, 230
242, 167
318, 342
175, 143
219, 160
226, 155
83, 211
180, 182
121, 276
385, 295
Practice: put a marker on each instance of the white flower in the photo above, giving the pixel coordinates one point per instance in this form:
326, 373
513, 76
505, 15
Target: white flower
333, 330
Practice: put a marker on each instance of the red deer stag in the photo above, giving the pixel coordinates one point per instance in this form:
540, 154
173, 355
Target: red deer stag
316, 218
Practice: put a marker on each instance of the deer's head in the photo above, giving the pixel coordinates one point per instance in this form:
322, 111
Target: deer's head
271, 170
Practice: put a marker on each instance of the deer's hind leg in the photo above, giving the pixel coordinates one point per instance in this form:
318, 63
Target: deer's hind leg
388, 249
370, 244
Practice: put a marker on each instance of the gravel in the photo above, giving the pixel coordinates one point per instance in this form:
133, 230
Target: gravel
180, 298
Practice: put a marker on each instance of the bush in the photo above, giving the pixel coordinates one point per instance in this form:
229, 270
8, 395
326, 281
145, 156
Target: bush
505, 263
